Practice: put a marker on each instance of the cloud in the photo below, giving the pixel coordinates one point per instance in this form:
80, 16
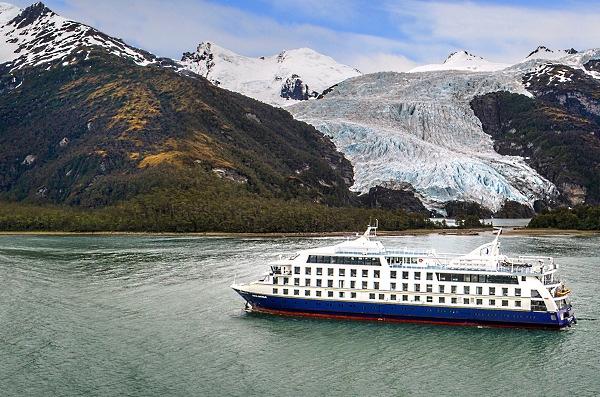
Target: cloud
500, 32
372, 36
382, 62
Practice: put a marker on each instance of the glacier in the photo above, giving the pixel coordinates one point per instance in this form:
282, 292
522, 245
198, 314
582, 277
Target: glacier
419, 128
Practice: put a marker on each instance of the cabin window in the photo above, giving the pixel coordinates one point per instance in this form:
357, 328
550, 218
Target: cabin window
454, 300
466, 278
504, 291
454, 277
365, 273
405, 275
330, 271
429, 276
307, 282
492, 290
535, 294
467, 290
430, 299
375, 285
352, 294
319, 271
381, 296
441, 299
342, 272
442, 288
341, 294
330, 283
376, 273
296, 281
453, 289
393, 274
538, 305
405, 298
404, 286
504, 302
465, 301
517, 291
296, 292
522, 278
517, 303
429, 288
285, 280
330, 294
307, 271
340, 283
275, 280
392, 297
285, 291
318, 293
352, 284
479, 301
479, 290
417, 298
392, 286
371, 296
444, 277
492, 302
275, 290
319, 282
306, 292
364, 285
417, 275
417, 287
297, 270
352, 272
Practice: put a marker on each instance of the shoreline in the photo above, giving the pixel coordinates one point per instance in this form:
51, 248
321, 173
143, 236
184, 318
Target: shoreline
509, 231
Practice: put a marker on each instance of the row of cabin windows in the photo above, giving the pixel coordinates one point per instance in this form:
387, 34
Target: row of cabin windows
416, 287
393, 297
478, 278
344, 260
341, 272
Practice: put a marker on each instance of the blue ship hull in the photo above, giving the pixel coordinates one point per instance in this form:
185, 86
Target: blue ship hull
405, 313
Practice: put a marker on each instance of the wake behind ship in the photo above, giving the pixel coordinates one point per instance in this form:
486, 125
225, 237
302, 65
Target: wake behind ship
361, 279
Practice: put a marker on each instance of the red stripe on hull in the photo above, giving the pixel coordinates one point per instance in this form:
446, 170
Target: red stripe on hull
288, 313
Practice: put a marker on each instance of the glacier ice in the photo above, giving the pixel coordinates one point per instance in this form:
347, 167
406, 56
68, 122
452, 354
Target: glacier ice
419, 128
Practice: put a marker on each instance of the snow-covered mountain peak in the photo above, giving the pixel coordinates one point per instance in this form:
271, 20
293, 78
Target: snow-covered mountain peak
461, 56
282, 79
545, 53
462, 60
36, 35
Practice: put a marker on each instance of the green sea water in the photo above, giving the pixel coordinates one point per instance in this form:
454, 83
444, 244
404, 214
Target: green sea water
154, 316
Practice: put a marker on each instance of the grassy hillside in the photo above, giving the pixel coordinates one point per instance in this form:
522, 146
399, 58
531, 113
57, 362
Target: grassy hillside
91, 133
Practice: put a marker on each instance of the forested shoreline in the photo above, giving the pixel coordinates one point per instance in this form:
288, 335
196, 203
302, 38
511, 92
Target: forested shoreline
584, 217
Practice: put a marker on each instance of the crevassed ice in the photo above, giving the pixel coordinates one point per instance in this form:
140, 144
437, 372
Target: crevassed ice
420, 129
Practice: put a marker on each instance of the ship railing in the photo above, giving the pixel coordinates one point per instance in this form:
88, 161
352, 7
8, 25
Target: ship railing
467, 266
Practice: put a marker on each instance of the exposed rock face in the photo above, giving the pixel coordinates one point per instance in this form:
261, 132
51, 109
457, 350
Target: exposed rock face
402, 197
294, 88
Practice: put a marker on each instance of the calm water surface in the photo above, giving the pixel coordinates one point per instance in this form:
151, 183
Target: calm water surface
154, 316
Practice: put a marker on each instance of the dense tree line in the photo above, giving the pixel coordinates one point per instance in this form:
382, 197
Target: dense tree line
188, 211
581, 217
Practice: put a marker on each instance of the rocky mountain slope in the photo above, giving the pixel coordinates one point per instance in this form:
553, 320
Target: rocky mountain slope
279, 80
87, 120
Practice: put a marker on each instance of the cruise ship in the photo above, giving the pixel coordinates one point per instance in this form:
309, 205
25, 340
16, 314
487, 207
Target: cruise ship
362, 279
